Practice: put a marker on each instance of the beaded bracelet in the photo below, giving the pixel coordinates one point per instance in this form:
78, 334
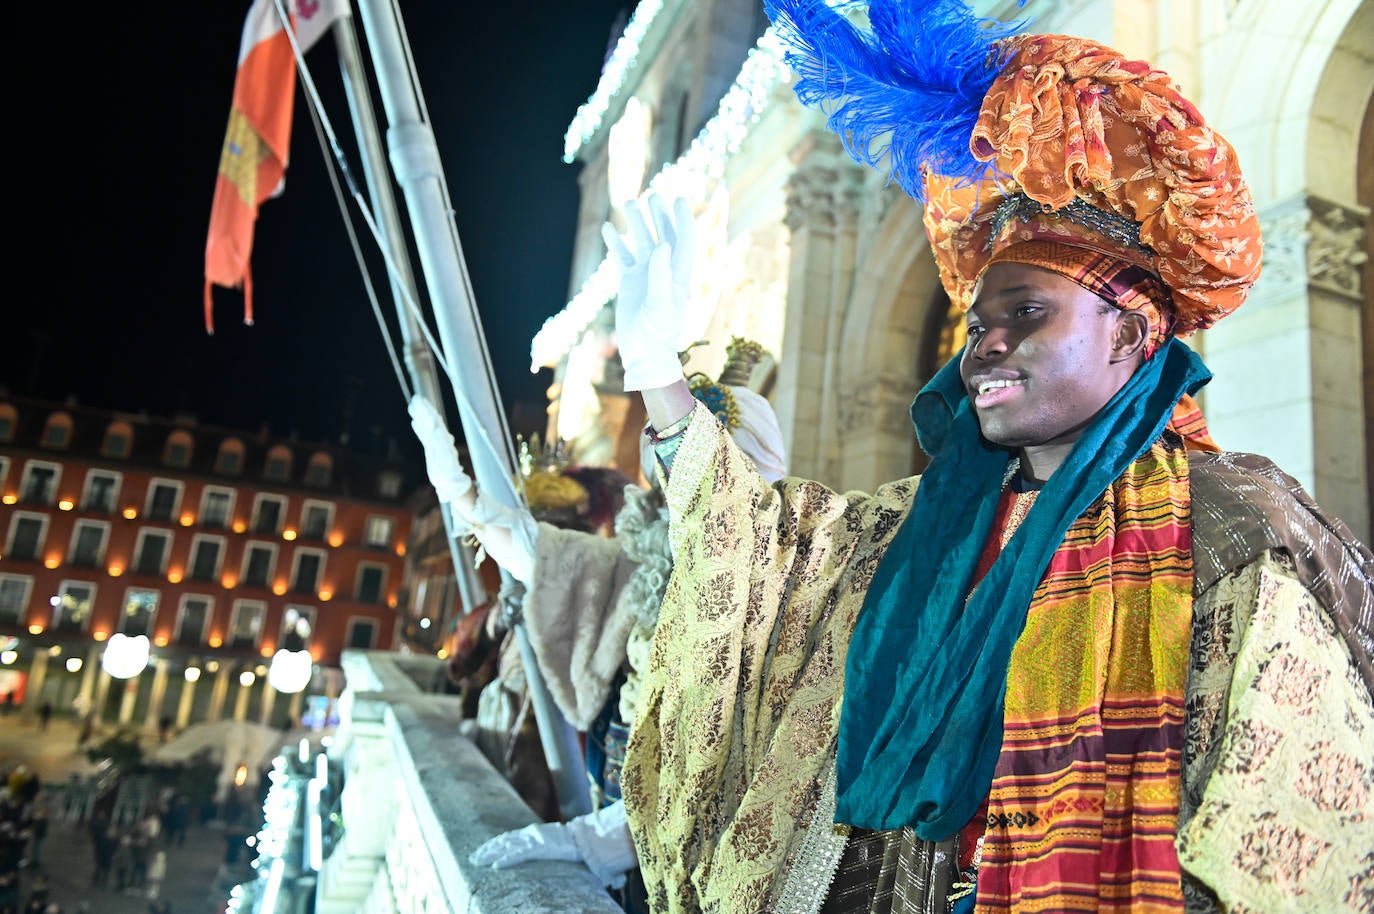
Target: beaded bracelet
667, 442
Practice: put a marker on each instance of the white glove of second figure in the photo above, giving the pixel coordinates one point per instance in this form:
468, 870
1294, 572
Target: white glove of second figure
599, 839
655, 284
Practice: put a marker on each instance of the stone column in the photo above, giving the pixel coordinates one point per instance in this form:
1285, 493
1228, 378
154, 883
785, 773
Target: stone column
130, 698
1288, 363
217, 694
102, 692
1336, 264
38, 674
269, 699
90, 670
241, 702
812, 288
185, 704
157, 694
846, 207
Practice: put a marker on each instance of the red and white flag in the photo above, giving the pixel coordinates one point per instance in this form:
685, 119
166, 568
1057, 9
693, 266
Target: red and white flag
252, 164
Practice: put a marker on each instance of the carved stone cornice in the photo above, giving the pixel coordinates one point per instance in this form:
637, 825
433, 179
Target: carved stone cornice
1335, 248
826, 188
811, 198
1284, 272
1311, 242
849, 200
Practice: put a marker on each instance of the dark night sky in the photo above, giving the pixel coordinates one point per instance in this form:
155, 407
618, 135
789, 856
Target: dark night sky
122, 130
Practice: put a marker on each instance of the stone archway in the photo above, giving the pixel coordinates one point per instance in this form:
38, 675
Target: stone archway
1339, 192
882, 336
1280, 78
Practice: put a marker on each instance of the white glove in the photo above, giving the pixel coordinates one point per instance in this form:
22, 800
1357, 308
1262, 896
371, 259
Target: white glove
507, 534
542, 841
655, 283
441, 456
599, 839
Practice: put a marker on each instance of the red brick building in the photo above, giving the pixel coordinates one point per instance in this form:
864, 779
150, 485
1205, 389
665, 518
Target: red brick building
214, 543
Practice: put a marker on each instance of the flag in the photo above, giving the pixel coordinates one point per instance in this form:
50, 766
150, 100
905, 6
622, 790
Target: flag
252, 164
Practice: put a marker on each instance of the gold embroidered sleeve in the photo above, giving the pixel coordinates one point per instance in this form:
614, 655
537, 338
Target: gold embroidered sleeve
740, 705
1279, 786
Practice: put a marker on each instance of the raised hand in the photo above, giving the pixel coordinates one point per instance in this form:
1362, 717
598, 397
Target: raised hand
655, 256
451, 483
507, 534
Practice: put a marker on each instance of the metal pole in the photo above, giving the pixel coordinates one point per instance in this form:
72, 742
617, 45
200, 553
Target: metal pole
419, 362
416, 165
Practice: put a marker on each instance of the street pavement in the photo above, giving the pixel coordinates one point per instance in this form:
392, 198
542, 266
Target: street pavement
196, 882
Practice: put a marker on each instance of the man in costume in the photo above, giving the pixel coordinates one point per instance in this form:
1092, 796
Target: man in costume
1086, 662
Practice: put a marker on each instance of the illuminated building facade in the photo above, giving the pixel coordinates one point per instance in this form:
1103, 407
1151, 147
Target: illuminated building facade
220, 547
828, 266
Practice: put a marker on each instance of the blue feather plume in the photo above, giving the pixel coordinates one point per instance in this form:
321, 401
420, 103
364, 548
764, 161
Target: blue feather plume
908, 90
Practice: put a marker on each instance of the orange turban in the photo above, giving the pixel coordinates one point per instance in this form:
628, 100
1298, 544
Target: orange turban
1093, 151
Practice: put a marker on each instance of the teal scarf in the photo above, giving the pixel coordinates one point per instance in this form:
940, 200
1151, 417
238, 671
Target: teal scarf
926, 676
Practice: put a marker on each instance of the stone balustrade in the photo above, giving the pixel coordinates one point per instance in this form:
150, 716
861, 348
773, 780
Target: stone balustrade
418, 798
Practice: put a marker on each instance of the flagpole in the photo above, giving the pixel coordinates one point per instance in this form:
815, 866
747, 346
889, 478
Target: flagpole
417, 169
419, 362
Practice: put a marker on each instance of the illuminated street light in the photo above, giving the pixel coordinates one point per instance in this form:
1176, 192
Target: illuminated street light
125, 657
291, 671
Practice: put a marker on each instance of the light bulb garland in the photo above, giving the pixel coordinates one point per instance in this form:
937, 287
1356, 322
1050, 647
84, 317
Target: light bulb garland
280, 810
592, 112
689, 176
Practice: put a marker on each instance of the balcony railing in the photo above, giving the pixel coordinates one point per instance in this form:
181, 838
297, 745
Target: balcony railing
426, 798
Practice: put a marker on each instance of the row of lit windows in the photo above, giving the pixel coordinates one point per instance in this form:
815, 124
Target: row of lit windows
38, 485
179, 448
152, 551
72, 604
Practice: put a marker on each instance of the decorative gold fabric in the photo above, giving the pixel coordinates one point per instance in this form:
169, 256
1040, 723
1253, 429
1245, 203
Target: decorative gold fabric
735, 734
1279, 780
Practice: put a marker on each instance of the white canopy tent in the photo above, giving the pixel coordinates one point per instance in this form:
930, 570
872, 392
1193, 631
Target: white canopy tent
231, 743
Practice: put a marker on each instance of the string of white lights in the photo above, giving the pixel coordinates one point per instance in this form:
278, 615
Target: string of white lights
270, 843
690, 176
589, 115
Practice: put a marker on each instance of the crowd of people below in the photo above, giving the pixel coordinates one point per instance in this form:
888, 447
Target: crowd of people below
23, 830
130, 849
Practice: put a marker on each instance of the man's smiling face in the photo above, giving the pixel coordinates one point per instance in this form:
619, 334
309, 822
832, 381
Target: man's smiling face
1044, 355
